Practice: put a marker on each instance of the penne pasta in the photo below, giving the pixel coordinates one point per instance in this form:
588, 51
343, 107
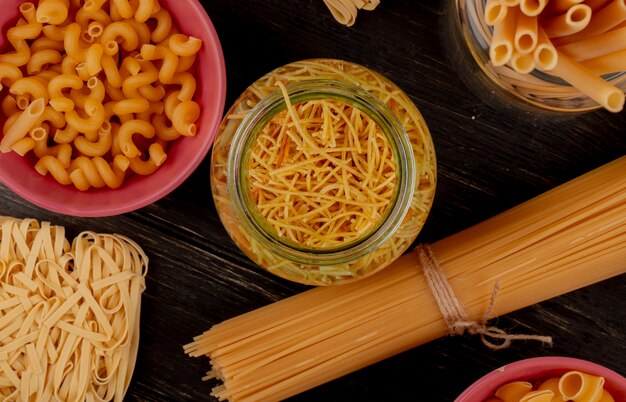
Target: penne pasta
608, 63
502, 44
574, 20
605, 19
556, 7
600, 45
596, 4
23, 146
526, 36
538, 396
581, 387
607, 95
513, 391
22, 125
522, 63
532, 8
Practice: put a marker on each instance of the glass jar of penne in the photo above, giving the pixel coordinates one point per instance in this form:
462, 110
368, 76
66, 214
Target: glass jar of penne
538, 56
323, 172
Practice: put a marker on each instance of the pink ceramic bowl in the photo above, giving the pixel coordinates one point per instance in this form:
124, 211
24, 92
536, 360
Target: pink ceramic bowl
184, 155
541, 368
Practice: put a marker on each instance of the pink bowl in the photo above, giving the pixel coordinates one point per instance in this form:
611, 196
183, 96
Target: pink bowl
184, 155
541, 368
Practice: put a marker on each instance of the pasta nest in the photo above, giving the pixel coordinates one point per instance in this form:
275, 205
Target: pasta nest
69, 313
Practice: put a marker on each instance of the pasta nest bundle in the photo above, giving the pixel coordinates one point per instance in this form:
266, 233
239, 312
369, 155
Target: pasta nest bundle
344, 11
96, 91
69, 321
573, 385
582, 42
322, 174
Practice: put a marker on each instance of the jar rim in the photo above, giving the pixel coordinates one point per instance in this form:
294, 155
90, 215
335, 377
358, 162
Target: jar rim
257, 118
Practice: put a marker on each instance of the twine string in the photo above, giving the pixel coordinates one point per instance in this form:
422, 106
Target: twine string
454, 314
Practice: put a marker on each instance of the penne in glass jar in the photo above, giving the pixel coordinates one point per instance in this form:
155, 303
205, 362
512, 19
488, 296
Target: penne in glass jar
466, 38
323, 172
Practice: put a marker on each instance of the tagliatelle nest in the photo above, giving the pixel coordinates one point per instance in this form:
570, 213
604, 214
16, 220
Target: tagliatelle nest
345, 11
69, 313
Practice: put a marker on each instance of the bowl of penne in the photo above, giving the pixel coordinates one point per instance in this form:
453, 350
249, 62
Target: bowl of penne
544, 379
106, 106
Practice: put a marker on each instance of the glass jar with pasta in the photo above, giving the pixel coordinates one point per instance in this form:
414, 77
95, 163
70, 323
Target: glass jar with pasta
323, 171
538, 56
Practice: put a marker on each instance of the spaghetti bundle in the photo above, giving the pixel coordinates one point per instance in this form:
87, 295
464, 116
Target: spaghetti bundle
567, 238
69, 314
576, 41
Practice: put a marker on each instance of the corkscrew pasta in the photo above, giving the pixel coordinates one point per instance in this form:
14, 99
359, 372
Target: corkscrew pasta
575, 386
561, 36
83, 79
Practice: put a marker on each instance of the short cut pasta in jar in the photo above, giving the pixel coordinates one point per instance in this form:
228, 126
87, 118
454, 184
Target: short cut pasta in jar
323, 172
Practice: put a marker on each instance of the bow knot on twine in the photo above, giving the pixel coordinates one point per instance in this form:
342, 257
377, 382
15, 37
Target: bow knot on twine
454, 315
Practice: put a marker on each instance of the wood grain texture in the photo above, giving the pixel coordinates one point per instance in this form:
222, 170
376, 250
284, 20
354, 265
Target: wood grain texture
487, 162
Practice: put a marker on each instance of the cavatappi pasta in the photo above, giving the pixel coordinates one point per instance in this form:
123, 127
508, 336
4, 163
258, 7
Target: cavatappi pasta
557, 38
420, 146
69, 313
95, 92
560, 241
575, 386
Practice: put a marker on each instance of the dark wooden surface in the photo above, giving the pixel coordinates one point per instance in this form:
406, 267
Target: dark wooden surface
487, 162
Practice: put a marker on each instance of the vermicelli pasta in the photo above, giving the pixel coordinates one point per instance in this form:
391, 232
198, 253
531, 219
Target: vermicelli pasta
299, 197
567, 238
90, 67
69, 319
351, 213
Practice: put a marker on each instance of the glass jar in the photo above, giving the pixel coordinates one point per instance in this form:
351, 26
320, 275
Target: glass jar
376, 97
466, 38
